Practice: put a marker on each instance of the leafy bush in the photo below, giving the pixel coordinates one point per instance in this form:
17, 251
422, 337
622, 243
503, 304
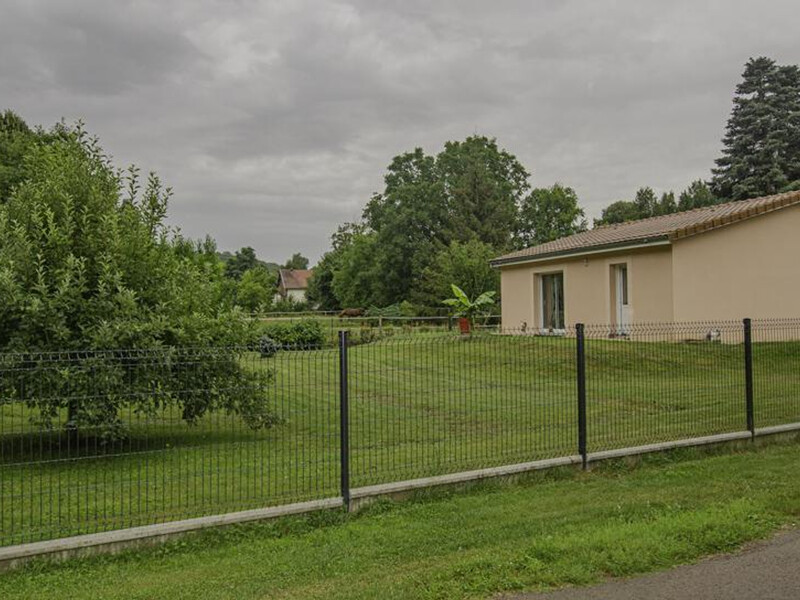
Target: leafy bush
300, 335
289, 304
255, 289
368, 335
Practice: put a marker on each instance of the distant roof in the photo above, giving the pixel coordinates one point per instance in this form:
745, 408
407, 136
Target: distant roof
653, 230
295, 279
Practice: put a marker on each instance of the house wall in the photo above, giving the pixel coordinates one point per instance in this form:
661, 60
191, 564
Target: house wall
296, 295
749, 269
588, 288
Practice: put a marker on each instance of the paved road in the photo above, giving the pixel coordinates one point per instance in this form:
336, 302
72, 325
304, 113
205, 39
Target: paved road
762, 571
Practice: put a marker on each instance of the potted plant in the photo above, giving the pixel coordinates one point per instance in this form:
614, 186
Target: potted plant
465, 309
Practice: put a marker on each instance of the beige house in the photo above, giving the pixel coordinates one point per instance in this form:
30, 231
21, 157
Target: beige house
723, 262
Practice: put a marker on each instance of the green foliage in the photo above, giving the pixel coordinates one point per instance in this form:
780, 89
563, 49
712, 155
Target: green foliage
256, 289
482, 187
471, 189
289, 304
244, 260
17, 139
761, 147
298, 261
393, 310
407, 309
320, 285
547, 214
463, 306
697, 195
618, 212
303, 334
88, 263
667, 204
321, 293
646, 202
645, 205
357, 280
463, 264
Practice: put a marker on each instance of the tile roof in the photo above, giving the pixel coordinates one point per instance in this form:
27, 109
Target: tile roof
295, 279
655, 229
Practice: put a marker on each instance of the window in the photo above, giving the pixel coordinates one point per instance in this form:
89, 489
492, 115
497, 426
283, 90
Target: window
552, 301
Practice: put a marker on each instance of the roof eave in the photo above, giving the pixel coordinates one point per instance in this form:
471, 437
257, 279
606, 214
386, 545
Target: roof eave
661, 240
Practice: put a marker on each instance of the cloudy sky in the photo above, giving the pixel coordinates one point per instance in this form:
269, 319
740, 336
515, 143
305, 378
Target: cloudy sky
274, 120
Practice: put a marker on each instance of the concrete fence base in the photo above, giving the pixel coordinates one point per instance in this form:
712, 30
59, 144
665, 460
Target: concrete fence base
111, 542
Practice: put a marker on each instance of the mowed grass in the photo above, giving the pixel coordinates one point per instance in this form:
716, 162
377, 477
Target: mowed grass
562, 527
419, 406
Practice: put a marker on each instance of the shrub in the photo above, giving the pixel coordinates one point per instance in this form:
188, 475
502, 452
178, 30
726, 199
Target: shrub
289, 304
298, 335
393, 310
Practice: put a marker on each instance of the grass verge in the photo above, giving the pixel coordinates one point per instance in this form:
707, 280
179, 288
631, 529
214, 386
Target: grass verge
555, 528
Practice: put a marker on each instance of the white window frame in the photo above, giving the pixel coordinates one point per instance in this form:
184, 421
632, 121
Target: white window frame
622, 289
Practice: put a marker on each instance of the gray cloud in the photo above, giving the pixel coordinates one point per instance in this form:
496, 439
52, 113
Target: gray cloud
274, 120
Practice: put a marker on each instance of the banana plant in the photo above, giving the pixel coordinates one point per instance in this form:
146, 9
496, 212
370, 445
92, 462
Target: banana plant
465, 308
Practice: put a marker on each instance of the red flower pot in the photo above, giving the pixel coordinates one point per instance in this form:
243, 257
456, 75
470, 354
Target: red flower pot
464, 325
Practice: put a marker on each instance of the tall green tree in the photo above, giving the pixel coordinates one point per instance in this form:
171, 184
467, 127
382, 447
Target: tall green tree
354, 281
255, 289
760, 147
471, 189
644, 205
484, 185
547, 214
618, 212
667, 204
697, 195
297, 261
646, 202
244, 260
320, 293
410, 222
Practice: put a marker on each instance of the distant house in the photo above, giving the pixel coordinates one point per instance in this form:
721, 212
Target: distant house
292, 284
728, 261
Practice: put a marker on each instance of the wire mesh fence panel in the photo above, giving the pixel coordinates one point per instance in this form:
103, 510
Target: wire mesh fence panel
97, 441
657, 383
776, 371
435, 404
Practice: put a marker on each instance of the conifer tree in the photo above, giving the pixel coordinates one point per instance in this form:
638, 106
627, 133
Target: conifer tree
666, 206
645, 202
760, 147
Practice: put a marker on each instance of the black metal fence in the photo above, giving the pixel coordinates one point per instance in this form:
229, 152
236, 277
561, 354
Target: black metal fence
96, 441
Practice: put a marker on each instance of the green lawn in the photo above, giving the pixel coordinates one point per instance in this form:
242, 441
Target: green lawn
556, 528
420, 405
